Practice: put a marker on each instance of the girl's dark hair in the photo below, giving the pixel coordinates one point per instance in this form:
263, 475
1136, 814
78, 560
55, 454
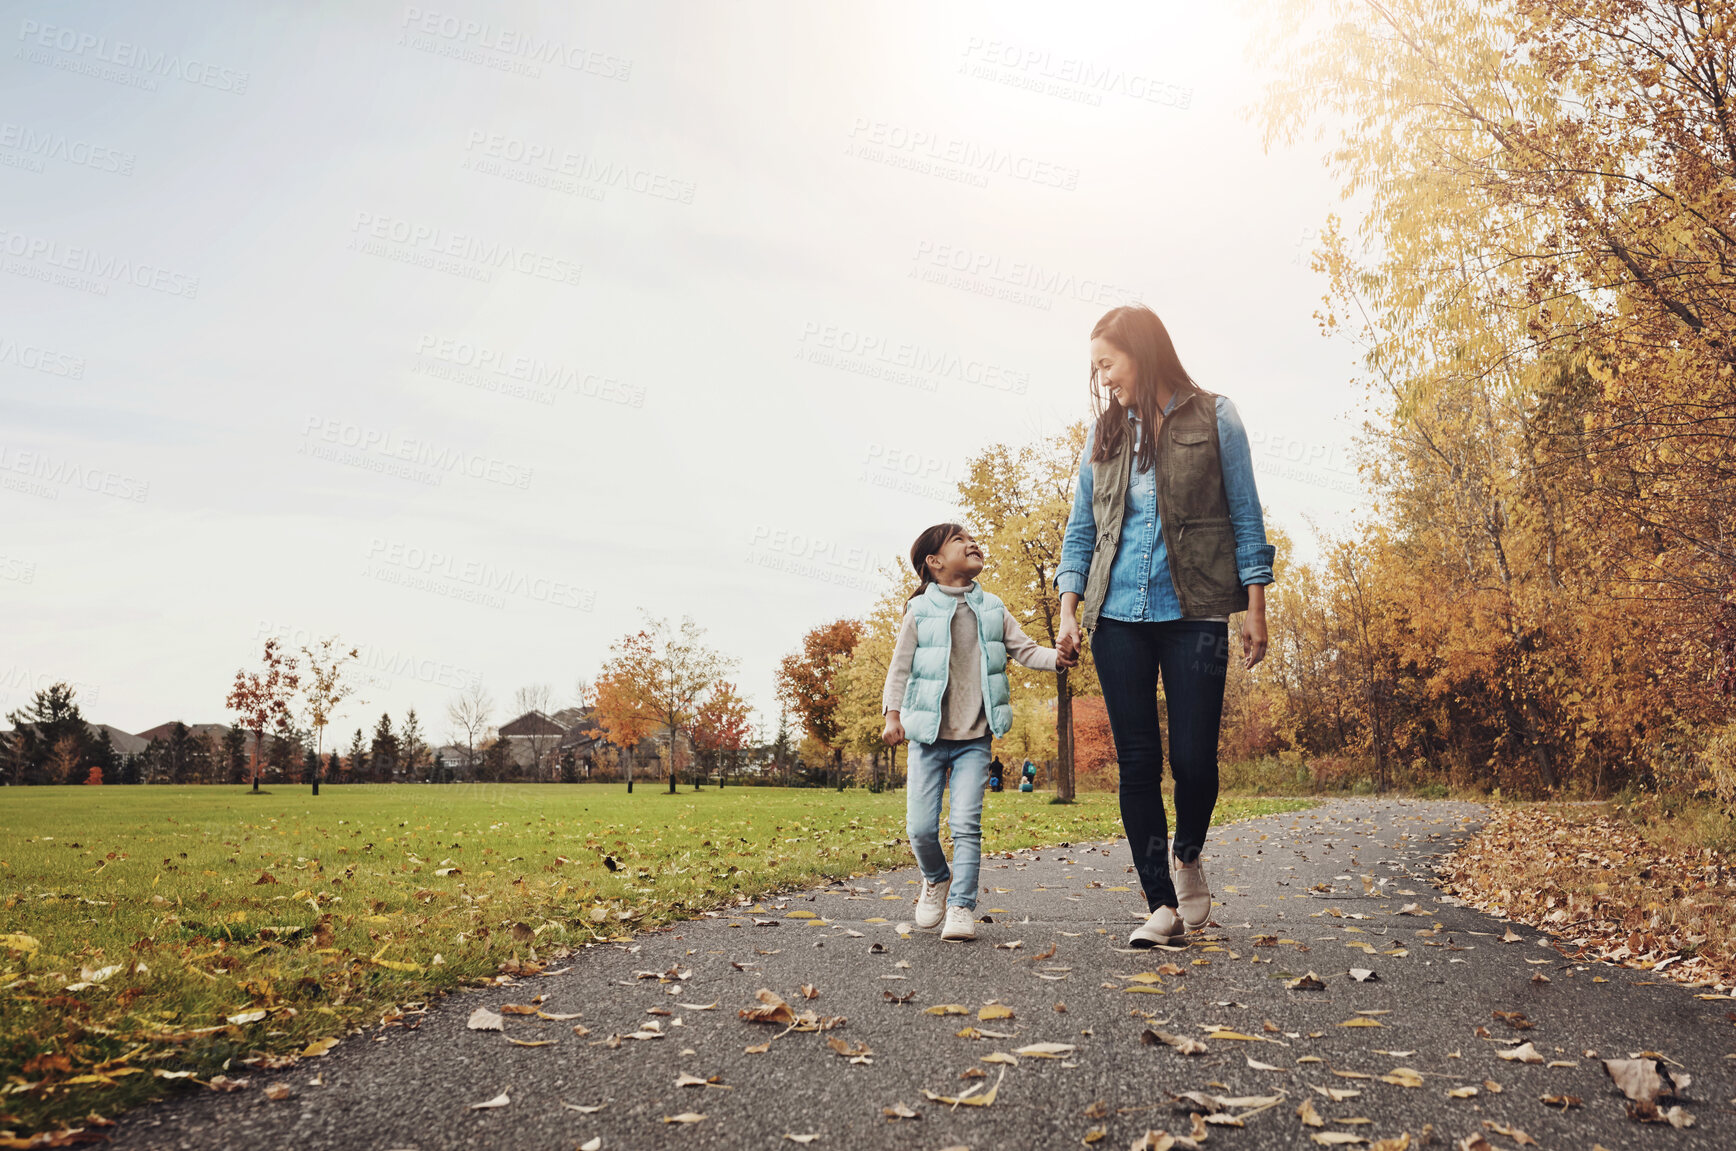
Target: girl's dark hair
927, 544
1137, 333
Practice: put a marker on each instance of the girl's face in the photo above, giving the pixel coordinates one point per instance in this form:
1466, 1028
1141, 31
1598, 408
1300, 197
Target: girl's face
1115, 370
959, 558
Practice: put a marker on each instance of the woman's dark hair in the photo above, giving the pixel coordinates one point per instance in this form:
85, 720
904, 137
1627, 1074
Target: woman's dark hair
1136, 331
929, 543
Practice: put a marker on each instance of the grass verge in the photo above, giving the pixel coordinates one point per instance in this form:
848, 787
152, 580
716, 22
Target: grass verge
160, 936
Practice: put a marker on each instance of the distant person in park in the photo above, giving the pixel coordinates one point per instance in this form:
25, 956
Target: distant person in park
997, 774
1029, 772
1164, 544
946, 690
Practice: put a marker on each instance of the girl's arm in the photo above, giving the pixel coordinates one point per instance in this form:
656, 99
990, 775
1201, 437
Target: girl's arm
1023, 648
898, 667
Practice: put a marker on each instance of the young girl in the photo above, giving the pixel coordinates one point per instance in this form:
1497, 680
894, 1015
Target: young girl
948, 679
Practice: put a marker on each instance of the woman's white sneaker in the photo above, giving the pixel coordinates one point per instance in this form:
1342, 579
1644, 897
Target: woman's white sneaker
1192, 896
931, 904
1164, 926
960, 924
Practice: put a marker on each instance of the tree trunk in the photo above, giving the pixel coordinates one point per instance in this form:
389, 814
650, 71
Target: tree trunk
257, 737
318, 743
1063, 738
671, 759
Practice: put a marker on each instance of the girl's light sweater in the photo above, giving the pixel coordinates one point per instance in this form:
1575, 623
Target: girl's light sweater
961, 708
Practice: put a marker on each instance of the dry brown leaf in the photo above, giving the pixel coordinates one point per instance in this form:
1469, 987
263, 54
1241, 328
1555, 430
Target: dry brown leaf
277, 1092
1154, 1141
900, 1111
531, 1042
1524, 1053
500, 1100
1510, 1132
1461, 1093
946, 1009
984, 1099
1562, 1101
1308, 982
1399, 1142
1181, 1043
994, 1011
685, 1117
1045, 1050
519, 1009
772, 1009
757, 1048
804, 1140
809, 991
1336, 1138
1094, 1135
1642, 1080
1309, 1116
1403, 1077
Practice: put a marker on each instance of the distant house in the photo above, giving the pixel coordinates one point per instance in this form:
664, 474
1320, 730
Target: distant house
573, 729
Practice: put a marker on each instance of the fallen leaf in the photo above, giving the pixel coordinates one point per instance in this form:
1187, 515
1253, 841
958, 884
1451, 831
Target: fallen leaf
277, 1092
1181, 1043
1562, 1101
1510, 1132
802, 1139
1461, 1093
482, 1019
1338, 1094
1361, 1021
1525, 1053
531, 1042
985, 1099
1256, 1065
995, 1011
900, 1111
500, 1100
1400, 1142
1003, 1057
1309, 1116
584, 1109
772, 1009
685, 1117
1336, 1138
809, 991
593, 1144
1403, 1077
757, 1048
1154, 1141
1308, 982
946, 1009
1362, 974
519, 1009
1094, 1135
319, 1047
1045, 1050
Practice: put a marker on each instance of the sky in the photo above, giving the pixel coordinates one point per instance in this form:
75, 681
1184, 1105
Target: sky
475, 333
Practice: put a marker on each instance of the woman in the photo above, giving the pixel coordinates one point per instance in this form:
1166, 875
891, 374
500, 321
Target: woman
1164, 544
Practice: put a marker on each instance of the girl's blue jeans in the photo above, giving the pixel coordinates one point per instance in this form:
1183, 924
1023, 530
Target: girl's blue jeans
965, 763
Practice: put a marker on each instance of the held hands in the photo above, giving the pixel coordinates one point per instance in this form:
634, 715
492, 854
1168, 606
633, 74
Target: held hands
894, 731
1067, 641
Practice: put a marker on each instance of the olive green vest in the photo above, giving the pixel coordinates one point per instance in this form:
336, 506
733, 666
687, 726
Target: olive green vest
1191, 504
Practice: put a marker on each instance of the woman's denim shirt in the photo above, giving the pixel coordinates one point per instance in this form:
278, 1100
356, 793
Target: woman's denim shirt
1140, 587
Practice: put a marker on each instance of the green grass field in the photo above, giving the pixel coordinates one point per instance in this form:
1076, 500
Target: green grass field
153, 930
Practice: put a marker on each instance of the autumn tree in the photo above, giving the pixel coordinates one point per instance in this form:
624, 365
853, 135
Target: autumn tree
261, 699
1017, 500
620, 714
722, 726
808, 682
325, 690
664, 672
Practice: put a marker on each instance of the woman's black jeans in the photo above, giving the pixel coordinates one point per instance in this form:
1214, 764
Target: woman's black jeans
1190, 656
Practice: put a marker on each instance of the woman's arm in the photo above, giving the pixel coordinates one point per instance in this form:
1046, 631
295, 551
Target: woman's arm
1078, 542
1254, 555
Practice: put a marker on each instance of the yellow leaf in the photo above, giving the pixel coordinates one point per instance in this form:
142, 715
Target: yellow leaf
946, 1009
23, 943
320, 1046
1360, 1021
995, 1011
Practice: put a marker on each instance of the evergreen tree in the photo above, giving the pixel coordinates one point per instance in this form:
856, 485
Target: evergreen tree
439, 773
177, 753
496, 758
414, 757
41, 732
309, 766
384, 753
283, 758
129, 769
334, 768
235, 755
103, 755
357, 760
569, 767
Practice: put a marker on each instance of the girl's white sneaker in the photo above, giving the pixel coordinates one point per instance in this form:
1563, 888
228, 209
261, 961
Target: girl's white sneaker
931, 904
960, 924
1164, 926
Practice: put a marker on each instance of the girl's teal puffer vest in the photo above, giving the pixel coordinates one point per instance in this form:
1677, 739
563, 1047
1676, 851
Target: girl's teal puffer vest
928, 666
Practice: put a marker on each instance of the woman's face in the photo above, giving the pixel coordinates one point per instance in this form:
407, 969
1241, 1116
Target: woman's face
1116, 371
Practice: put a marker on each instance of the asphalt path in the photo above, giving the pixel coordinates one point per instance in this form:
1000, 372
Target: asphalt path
1323, 891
